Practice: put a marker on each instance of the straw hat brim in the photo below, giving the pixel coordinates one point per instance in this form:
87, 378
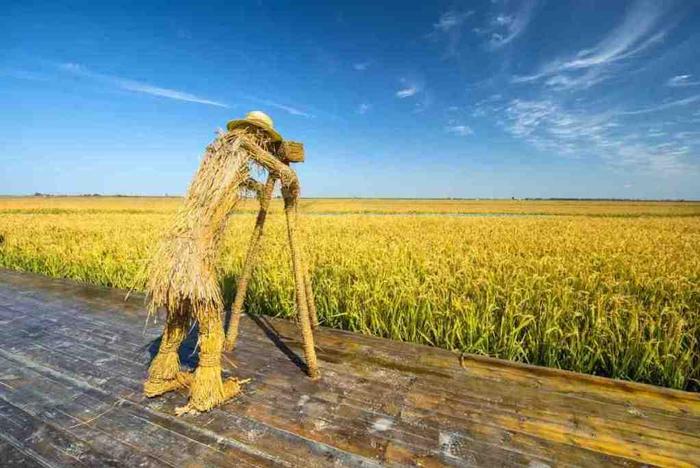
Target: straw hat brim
245, 123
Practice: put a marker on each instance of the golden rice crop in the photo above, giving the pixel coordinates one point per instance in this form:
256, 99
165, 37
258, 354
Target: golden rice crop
616, 296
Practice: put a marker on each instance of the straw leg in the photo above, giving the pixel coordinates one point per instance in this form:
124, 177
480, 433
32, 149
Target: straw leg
250, 261
304, 318
165, 369
207, 388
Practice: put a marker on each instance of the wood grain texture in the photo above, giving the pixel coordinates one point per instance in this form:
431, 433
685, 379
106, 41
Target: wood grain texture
73, 359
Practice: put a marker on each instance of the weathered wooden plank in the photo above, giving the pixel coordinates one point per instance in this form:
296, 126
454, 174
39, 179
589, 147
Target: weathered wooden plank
113, 325
96, 374
576, 421
32, 284
16, 456
557, 401
74, 364
356, 422
292, 445
45, 441
550, 442
121, 426
428, 362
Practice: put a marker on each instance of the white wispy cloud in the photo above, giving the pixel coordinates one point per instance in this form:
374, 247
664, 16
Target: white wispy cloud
680, 81
657, 133
503, 20
451, 20
585, 128
137, 86
178, 95
665, 105
406, 92
551, 127
361, 66
639, 30
409, 87
449, 27
507, 26
460, 130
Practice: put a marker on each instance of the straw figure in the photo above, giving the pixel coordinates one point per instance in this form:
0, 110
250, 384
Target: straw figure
182, 276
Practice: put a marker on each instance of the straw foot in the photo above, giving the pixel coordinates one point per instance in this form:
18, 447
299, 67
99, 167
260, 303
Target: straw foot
203, 397
162, 374
156, 387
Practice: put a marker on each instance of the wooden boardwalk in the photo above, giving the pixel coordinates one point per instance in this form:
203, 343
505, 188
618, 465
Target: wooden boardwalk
73, 358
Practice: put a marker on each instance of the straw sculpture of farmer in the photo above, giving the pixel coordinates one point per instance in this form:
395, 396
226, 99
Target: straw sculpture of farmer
182, 276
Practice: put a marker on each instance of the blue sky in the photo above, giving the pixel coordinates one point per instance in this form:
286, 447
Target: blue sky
527, 98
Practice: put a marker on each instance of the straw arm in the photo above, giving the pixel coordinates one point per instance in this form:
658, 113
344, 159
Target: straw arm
289, 179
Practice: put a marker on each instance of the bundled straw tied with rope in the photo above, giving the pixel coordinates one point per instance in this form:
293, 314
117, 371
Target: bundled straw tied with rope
182, 276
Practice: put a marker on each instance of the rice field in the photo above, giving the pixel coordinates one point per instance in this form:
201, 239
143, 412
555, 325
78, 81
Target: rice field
59, 205
606, 288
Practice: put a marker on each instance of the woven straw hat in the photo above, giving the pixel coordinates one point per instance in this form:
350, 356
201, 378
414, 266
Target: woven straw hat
258, 119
